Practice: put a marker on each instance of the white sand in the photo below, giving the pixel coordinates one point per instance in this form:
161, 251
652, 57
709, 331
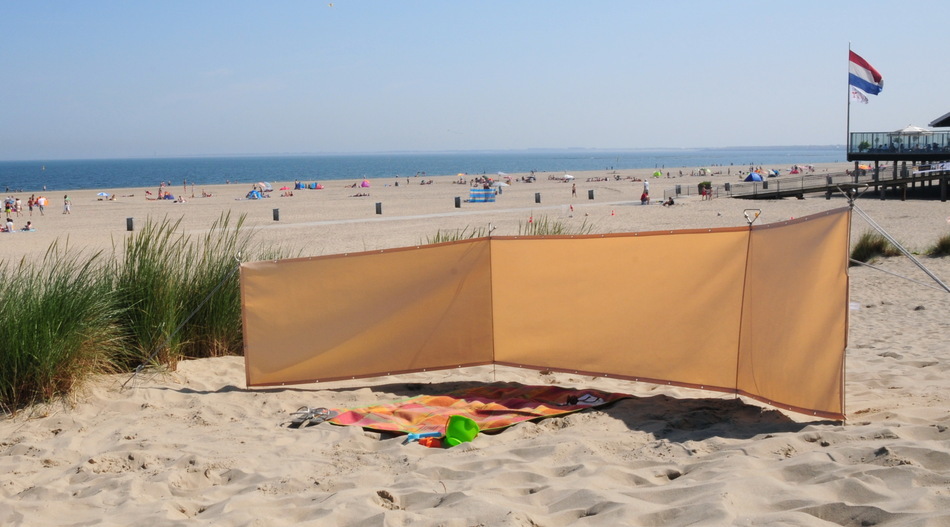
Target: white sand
195, 445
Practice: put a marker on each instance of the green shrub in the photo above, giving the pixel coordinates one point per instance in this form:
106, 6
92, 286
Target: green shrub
872, 245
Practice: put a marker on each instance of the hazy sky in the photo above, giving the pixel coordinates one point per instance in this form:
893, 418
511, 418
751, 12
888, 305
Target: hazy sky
101, 79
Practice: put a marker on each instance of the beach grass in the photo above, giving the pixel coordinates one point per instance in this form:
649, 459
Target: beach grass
181, 296
213, 295
544, 226
872, 245
59, 326
940, 248
162, 297
466, 233
151, 281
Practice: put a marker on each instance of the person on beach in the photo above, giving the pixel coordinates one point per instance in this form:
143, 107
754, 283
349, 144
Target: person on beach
67, 205
573, 190
28, 226
10, 227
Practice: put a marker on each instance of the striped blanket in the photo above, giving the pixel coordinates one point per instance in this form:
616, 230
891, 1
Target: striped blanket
491, 406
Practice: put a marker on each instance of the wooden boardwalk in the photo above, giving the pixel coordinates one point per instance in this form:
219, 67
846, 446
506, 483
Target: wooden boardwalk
885, 183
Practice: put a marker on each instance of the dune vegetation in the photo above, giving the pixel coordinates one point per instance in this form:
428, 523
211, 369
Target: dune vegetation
161, 297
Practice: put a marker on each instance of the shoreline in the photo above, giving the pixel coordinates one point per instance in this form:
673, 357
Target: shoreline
340, 218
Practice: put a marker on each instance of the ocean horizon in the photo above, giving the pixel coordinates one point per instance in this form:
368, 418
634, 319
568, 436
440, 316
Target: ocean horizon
78, 174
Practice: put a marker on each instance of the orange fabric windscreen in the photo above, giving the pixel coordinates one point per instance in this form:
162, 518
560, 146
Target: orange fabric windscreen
760, 311
795, 315
661, 307
367, 314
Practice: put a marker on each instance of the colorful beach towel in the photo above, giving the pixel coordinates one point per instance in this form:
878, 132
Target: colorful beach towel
492, 407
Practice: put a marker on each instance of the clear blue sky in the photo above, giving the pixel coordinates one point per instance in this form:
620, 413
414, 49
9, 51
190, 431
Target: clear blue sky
103, 79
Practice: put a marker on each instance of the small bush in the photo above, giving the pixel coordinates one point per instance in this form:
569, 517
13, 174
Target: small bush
872, 245
941, 248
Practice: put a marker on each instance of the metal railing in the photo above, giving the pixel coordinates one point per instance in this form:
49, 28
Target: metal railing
782, 186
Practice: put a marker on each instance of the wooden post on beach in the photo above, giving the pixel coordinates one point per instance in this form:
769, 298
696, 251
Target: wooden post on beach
128, 224
590, 194
276, 214
537, 197
458, 202
379, 207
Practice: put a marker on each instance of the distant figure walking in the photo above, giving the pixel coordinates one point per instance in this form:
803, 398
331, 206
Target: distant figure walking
573, 190
67, 205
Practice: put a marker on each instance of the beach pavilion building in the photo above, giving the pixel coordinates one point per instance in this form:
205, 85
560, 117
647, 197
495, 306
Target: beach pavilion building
918, 156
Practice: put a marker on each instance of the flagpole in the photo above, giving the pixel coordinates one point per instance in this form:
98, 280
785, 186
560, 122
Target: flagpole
848, 122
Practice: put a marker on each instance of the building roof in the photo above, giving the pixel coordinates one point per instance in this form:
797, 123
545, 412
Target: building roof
942, 121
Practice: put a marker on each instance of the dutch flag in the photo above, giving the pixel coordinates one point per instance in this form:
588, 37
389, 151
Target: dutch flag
863, 75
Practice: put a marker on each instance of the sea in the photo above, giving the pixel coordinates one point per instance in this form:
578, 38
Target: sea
39, 175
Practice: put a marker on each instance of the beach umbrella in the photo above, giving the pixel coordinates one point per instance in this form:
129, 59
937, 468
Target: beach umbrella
103, 194
912, 130
499, 184
568, 176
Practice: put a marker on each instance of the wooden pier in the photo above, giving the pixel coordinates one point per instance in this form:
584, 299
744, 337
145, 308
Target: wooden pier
885, 181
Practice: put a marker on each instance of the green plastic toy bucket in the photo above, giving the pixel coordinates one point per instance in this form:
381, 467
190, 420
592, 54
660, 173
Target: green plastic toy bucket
459, 429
